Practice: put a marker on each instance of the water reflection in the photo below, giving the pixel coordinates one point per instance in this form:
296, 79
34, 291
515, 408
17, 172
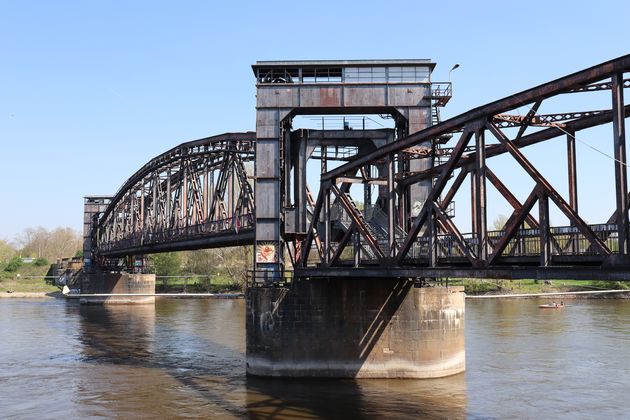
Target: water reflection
565, 363
163, 360
178, 358
186, 358
117, 333
345, 399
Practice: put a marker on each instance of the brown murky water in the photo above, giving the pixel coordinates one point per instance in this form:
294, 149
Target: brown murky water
183, 358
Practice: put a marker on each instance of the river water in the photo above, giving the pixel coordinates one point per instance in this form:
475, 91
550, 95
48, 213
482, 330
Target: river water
183, 358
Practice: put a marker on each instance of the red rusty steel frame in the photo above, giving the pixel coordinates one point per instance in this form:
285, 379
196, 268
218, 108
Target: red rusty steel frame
198, 195
342, 245
598, 86
546, 120
194, 195
606, 245
357, 220
523, 141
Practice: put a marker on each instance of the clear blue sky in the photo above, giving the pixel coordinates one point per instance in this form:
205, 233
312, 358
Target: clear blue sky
91, 90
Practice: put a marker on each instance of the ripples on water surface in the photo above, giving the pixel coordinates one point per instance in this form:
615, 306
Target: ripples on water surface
187, 358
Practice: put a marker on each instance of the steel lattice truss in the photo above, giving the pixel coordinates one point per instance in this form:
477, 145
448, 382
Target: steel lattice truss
195, 195
429, 244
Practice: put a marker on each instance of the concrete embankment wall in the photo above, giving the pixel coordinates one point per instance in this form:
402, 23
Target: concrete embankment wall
363, 328
125, 284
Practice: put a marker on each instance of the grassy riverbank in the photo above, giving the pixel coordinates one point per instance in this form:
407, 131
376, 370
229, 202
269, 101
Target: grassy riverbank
30, 280
489, 287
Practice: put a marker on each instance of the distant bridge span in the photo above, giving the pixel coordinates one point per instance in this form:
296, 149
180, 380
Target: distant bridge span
193, 196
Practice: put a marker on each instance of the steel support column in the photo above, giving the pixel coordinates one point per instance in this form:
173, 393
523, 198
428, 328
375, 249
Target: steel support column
621, 174
391, 207
545, 248
473, 201
327, 230
480, 196
433, 243
572, 181
572, 170
300, 183
367, 190
356, 241
286, 159
183, 210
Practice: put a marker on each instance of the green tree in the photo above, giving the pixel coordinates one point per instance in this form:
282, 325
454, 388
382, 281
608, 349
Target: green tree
7, 251
236, 261
167, 264
42, 243
202, 262
40, 262
14, 264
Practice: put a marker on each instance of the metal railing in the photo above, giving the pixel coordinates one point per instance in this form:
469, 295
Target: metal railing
564, 241
221, 226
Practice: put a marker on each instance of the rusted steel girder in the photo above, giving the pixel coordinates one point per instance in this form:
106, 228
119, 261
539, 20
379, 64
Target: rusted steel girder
193, 196
434, 194
312, 230
431, 233
357, 220
558, 86
507, 194
621, 172
549, 190
572, 272
538, 120
524, 141
598, 86
342, 245
452, 229
513, 223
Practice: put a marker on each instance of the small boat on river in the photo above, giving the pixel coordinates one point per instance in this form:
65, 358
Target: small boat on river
552, 306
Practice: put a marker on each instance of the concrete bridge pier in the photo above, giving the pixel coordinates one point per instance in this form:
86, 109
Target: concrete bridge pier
117, 288
355, 328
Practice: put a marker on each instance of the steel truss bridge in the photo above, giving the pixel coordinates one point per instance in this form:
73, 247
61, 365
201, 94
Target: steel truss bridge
198, 195
195, 195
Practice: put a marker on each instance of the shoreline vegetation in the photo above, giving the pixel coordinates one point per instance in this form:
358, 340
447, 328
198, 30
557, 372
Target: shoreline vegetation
540, 288
32, 283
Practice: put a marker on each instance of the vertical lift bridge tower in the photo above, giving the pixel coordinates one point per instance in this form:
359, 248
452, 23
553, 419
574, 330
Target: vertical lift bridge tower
401, 89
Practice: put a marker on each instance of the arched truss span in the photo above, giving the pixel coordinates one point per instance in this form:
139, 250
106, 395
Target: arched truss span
195, 195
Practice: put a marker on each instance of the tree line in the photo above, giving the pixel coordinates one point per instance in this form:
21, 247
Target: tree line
42, 244
232, 263
47, 246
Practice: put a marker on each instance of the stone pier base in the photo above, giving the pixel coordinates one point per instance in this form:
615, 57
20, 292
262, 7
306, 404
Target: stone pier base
118, 288
355, 328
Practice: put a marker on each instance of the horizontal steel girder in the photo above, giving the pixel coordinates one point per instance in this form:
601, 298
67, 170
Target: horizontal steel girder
572, 272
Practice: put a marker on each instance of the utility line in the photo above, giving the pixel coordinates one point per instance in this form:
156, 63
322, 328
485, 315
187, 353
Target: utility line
581, 141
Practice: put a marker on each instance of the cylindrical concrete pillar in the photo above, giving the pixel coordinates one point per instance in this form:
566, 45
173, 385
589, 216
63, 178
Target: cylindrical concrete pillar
355, 328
